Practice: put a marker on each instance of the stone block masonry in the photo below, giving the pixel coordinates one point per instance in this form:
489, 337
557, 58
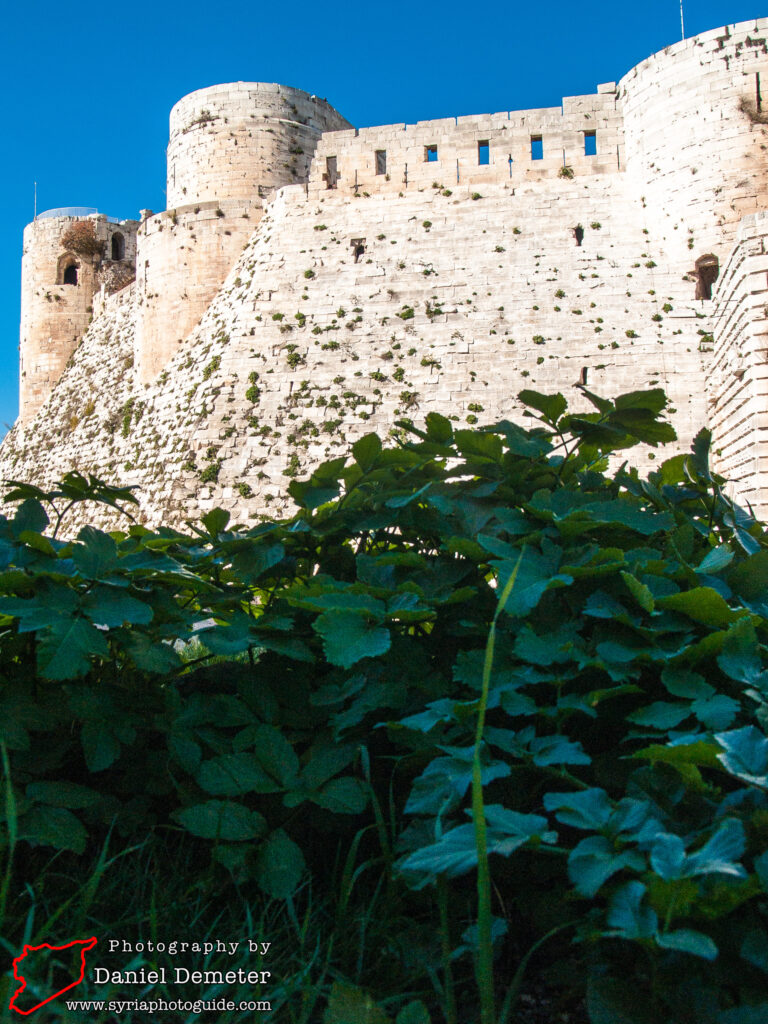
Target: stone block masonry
312, 282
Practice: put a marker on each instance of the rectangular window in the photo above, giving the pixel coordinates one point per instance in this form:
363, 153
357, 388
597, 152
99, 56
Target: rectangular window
381, 161
430, 154
590, 144
483, 152
537, 148
331, 172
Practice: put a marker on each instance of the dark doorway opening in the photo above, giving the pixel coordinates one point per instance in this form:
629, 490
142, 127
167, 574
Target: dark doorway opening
118, 246
707, 272
70, 274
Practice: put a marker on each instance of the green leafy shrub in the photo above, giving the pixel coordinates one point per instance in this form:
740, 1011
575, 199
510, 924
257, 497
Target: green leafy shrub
477, 660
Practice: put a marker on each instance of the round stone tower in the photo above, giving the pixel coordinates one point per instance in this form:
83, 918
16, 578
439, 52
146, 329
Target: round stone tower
242, 140
230, 147
67, 253
696, 123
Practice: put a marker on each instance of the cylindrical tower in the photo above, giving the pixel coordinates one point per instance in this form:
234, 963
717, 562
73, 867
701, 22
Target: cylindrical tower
239, 141
67, 253
695, 118
230, 147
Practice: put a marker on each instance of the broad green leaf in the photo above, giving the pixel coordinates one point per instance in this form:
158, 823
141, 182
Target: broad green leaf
639, 591
53, 826
109, 606
716, 560
654, 400
716, 712
661, 715
280, 865
349, 636
668, 857
235, 774
325, 760
62, 794
366, 450
345, 795
151, 655
215, 521
746, 754
221, 819
628, 917
551, 407
718, 855
275, 754
413, 1013
682, 683
702, 604
439, 429
587, 808
65, 650
350, 1005
96, 554
30, 515
100, 745
686, 940
549, 750
594, 861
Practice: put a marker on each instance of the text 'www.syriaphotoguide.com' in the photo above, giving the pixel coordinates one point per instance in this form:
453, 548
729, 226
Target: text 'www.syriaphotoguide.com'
163, 1005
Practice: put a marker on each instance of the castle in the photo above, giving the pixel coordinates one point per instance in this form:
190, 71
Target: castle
311, 281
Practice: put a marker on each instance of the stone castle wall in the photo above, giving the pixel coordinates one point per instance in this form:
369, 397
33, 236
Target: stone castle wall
269, 329
184, 256
304, 348
738, 372
230, 145
449, 150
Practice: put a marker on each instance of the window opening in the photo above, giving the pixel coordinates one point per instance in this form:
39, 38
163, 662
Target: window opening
590, 144
118, 246
70, 274
381, 161
537, 147
758, 94
707, 272
483, 152
578, 234
331, 172
430, 154
358, 247
584, 375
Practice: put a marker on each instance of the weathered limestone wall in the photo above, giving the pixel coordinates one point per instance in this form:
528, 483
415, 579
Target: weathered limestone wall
229, 146
455, 305
240, 140
269, 329
408, 162
692, 152
54, 315
183, 257
738, 376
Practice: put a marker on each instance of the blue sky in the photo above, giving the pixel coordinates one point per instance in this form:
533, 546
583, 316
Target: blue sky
88, 87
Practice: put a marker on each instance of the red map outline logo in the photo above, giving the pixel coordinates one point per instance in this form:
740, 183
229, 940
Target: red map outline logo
85, 943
